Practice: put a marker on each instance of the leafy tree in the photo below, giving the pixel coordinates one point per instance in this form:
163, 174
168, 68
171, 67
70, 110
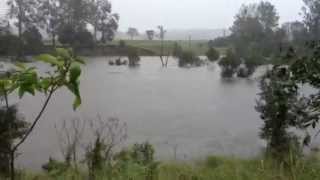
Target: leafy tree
9, 44
66, 34
277, 98
132, 32
102, 19
75, 13
229, 64
51, 17
150, 34
83, 38
32, 40
267, 15
311, 12
65, 73
25, 12
212, 54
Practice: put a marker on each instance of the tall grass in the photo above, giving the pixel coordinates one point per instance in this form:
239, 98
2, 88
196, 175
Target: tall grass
213, 168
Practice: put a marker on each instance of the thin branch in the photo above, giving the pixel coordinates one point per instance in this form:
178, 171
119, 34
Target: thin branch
36, 120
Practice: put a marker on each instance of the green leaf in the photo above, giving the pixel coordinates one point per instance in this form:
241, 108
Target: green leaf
63, 52
79, 60
76, 102
21, 66
75, 72
47, 58
74, 88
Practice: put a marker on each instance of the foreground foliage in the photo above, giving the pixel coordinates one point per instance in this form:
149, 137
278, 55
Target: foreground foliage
212, 168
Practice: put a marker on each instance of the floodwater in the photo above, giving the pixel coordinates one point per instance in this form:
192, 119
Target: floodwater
191, 110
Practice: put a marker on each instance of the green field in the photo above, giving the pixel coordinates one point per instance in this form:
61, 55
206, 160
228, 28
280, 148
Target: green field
198, 47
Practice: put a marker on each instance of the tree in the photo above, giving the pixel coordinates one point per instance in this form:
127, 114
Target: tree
132, 32
75, 13
66, 34
25, 12
150, 34
311, 12
52, 19
32, 40
102, 19
212, 54
267, 15
229, 64
277, 98
65, 73
161, 35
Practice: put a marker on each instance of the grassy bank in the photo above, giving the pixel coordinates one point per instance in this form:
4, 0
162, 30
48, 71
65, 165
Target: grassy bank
213, 168
199, 47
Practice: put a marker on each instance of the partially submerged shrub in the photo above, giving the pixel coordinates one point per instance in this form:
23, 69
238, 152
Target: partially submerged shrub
229, 64
189, 58
133, 57
212, 54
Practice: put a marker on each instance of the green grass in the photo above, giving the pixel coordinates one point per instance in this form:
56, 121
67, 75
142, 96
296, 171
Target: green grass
214, 168
198, 47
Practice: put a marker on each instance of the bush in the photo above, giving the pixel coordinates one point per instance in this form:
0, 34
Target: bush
229, 64
133, 57
122, 44
32, 40
84, 38
212, 54
188, 58
9, 44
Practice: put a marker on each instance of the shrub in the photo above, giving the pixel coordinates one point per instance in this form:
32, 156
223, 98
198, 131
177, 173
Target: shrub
212, 54
229, 64
32, 40
122, 44
133, 57
188, 58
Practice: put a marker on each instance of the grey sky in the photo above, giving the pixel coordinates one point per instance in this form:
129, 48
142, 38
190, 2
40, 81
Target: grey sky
191, 14
188, 14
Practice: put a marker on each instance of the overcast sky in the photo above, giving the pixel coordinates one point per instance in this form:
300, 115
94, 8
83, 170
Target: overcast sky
188, 14
192, 14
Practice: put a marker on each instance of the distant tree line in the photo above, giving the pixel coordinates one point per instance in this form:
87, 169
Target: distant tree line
75, 23
256, 37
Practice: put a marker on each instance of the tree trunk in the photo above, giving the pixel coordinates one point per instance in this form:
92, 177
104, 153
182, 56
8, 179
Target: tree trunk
12, 170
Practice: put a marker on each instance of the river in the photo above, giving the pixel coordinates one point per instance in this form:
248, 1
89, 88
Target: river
192, 109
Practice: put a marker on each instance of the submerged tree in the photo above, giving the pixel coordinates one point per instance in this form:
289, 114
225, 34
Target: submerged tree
229, 64
133, 57
65, 72
212, 54
161, 35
